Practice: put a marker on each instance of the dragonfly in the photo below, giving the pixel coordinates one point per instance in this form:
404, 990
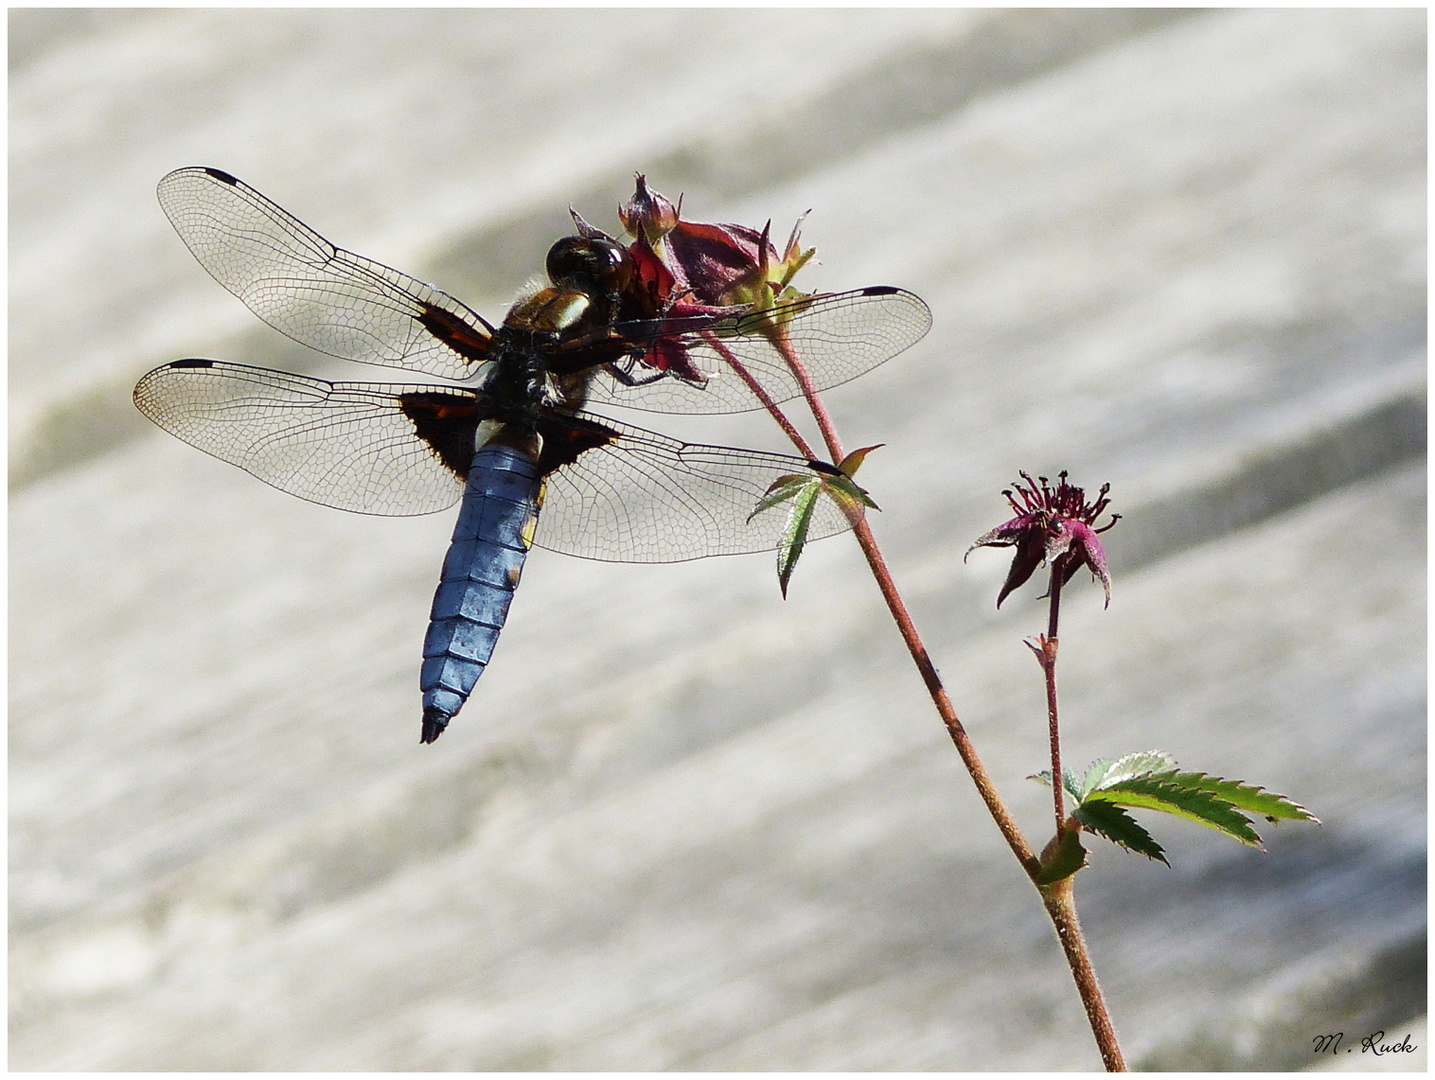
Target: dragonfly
507, 431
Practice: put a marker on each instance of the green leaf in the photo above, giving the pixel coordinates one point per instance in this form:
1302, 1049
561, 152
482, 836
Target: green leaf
802, 491
844, 489
1151, 780
1161, 791
794, 536
1067, 859
1109, 820
1249, 797
1068, 782
1113, 770
782, 489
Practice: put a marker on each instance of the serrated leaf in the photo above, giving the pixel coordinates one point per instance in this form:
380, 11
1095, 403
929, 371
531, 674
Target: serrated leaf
794, 536
1067, 859
1161, 792
1109, 820
1249, 797
1068, 782
844, 489
781, 490
1094, 774
1109, 771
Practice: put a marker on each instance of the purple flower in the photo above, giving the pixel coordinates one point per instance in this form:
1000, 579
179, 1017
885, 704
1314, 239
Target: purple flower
705, 266
1053, 525
683, 270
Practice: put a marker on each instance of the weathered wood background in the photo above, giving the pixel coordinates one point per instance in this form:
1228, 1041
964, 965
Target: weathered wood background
685, 825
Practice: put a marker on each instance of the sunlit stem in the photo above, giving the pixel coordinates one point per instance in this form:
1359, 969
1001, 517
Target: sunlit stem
1046, 656
761, 394
819, 410
1060, 903
1060, 898
1057, 898
958, 733
868, 543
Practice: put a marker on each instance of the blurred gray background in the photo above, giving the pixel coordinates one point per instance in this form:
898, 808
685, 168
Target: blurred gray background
683, 824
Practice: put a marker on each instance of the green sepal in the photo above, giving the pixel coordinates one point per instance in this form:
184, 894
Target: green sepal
1068, 857
774, 305
853, 461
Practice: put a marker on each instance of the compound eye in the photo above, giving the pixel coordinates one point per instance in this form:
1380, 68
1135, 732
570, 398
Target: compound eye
593, 266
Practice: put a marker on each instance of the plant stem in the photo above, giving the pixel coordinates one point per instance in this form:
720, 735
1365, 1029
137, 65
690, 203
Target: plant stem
760, 393
985, 788
1057, 897
1061, 907
938, 693
1046, 654
809, 392
1060, 898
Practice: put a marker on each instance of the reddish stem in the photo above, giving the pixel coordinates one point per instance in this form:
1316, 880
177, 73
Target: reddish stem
761, 394
1046, 654
1060, 901
1057, 898
819, 410
1045, 650
938, 693
983, 781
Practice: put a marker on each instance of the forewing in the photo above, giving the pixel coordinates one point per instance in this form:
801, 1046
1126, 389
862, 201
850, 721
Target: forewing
837, 337
353, 446
630, 495
320, 295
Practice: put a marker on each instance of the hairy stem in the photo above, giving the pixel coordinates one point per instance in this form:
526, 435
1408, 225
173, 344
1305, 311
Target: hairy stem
809, 392
1061, 907
983, 781
1057, 898
1046, 654
761, 394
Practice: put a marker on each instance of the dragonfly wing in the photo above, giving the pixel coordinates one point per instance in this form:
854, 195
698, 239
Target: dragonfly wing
623, 494
366, 447
318, 294
837, 337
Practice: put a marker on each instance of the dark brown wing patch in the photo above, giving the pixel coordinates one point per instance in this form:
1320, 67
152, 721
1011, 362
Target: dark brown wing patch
566, 437
448, 423
454, 332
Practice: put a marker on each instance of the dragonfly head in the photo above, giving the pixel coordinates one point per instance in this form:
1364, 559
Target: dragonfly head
597, 266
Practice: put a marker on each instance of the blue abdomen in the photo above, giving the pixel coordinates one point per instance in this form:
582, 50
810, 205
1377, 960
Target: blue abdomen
480, 572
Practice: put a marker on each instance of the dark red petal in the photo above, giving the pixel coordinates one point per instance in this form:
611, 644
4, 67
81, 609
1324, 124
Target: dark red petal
711, 259
1030, 554
1086, 551
1007, 533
